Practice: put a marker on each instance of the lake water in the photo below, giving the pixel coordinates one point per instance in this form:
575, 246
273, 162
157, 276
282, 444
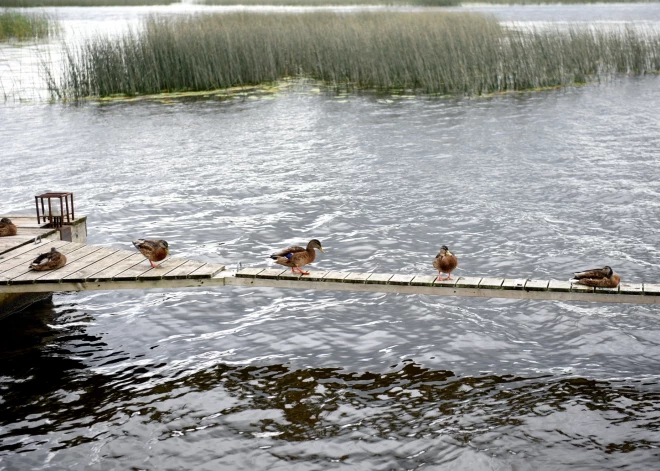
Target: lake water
529, 185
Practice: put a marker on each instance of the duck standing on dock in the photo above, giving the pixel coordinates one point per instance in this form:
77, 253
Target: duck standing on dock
445, 262
49, 261
153, 250
7, 228
296, 256
599, 278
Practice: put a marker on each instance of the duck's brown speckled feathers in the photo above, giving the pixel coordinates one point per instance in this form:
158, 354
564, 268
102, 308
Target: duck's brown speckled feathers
598, 278
153, 250
7, 228
296, 256
445, 262
49, 261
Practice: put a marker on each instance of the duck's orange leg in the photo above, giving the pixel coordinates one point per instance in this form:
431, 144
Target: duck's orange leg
299, 271
440, 278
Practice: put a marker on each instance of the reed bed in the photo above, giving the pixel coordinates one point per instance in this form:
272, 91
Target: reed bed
20, 26
434, 52
82, 3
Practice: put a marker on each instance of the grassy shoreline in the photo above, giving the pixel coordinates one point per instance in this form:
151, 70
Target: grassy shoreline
434, 53
21, 26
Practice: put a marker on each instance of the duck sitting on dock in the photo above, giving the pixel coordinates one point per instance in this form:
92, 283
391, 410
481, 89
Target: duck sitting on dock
153, 250
599, 278
445, 262
296, 256
7, 228
49, 261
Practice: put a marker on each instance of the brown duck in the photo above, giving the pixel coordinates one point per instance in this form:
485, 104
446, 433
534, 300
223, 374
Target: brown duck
445, 262
599, 278
153, 250
296, 256
49, 261
7, 228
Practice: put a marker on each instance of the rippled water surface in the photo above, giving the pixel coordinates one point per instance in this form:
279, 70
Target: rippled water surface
518, 185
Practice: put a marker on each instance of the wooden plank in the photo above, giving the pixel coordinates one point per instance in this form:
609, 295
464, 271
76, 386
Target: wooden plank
537, 285
401, 279
249, 272
446, 283
379, 278
184, 270
24, 267
33, 249
652, 289
85, 253
27, 256
581, 288
608, 290
511, 283
314, 275
468, 282
491, 283
337, 276
559, 286
631, 288
272, 273
116, 269
423, 280
160, 271
206, 271
357, 277
89, 271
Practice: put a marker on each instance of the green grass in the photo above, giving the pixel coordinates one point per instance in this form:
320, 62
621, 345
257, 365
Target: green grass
25, 26
433, 52
81, 3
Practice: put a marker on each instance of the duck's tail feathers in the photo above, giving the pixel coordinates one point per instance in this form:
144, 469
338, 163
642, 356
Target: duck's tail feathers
138, 242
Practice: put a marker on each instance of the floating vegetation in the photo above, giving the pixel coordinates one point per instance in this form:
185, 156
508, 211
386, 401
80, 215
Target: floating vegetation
434, 52
82, 3
20, 26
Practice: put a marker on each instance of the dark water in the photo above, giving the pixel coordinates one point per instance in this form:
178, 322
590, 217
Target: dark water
520, 185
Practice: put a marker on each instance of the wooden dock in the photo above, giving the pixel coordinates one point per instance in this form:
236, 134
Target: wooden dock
28, 230
92, 267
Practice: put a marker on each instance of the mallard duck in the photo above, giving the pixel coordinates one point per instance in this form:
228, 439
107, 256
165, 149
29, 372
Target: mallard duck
296, 256
154, 250
445, 262
7, 228
599, 277
49, 261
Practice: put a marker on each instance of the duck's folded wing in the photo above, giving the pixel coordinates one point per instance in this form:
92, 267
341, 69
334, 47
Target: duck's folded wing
594, 273
289, 250
43, 258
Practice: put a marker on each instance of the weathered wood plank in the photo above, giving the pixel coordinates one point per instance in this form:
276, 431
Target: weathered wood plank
607, 290
114, 270
559, 286
446, 283
27, 256
184, 270
84, 253
272, 273
249, 272
652, 289
32, 249
24, 266
206, 271
491, 283
335, 276
289, 275
468, 282
581, 288
423, 280
314, 275
379, 278
89, 271
514, 283
537, 285
401, 279
631, 288
161, 270
357, 277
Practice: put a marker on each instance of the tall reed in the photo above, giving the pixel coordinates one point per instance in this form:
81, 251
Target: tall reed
25, 26
445, 53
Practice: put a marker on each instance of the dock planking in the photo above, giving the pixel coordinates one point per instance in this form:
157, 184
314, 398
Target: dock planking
103, 268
